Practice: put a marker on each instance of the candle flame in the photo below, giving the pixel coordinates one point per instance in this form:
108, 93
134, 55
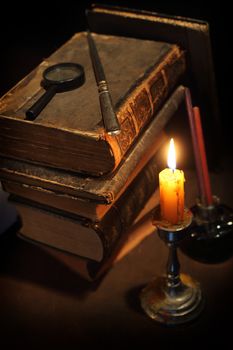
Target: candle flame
171, 159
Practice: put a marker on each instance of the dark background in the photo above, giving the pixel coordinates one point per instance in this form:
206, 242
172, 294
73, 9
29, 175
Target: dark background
29, 33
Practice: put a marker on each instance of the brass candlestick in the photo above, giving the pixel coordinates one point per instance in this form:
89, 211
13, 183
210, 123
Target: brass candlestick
174, 298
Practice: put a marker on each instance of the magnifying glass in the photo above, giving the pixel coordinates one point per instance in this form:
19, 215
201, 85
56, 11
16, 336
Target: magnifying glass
60, 77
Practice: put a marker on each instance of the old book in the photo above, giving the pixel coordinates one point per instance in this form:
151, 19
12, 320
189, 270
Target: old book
89, 208
86, 196
83, 237
68, 133
92, 270
190, 34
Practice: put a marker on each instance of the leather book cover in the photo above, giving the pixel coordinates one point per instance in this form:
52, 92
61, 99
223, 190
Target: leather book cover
68, 133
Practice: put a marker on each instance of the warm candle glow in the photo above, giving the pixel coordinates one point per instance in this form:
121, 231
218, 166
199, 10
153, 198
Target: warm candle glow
171, 159
171, 186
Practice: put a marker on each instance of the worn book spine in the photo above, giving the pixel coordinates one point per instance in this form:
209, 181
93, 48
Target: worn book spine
142, 104
80, 236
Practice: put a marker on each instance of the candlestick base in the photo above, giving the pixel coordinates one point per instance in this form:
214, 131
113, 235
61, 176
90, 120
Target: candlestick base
175, 298
181, 306
210, 238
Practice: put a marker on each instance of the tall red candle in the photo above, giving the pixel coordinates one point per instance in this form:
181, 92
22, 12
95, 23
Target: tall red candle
201, 148
189, 107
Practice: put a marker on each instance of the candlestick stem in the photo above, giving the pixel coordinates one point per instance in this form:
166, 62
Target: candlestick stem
173, 270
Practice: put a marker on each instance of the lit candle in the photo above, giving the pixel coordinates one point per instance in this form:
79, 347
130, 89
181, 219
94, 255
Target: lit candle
171, 187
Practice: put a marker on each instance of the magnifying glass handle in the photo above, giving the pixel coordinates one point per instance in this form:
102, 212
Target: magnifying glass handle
37, 107
110, 120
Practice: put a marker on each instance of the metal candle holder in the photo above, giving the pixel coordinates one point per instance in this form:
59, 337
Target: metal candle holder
174, 298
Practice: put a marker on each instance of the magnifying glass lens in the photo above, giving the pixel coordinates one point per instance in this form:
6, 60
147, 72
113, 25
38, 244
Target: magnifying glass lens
63, 73
60, 77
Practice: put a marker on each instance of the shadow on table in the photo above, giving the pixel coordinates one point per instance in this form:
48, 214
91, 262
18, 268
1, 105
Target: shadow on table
24, 261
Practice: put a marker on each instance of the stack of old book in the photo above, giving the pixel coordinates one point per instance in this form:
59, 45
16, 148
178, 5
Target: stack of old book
78, 190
